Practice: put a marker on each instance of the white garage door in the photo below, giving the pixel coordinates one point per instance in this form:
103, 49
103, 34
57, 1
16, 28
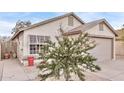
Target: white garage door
103, 50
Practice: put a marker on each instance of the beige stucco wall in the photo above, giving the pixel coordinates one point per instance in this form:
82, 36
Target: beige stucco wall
95, 31
50, 29
19, 41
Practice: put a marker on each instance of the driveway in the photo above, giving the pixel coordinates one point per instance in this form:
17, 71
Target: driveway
12, 70
111, 71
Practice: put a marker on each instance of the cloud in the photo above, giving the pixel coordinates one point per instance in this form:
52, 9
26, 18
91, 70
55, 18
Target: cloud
6, 28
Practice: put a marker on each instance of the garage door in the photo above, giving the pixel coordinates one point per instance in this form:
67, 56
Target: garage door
103, 50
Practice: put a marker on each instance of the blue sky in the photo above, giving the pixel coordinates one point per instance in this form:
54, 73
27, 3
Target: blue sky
9, 19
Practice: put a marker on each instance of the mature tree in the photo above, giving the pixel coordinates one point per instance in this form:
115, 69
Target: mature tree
20, 24
67, 56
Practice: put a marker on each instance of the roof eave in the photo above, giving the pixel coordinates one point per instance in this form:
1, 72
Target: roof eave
110, 27
14, 36
50, 20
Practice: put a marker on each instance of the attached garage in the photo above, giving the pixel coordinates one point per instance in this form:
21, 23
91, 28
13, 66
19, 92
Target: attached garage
104, 36
104, 49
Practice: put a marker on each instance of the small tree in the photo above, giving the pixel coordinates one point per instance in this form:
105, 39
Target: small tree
67, 56
20, 24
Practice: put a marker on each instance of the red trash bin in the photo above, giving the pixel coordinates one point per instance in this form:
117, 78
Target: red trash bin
30, 61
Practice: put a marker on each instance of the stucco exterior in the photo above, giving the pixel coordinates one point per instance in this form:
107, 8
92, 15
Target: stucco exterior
52, 29
95, 31
19, 41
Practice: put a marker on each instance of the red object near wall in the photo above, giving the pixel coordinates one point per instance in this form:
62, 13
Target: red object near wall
6, 55
30, 61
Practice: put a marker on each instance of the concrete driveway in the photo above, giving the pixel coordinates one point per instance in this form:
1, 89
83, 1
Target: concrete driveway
12, 70
111, 71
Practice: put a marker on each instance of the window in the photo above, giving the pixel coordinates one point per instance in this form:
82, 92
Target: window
33, 39
46, 38
101, 27
36, 42
70, 21
40, 39
32, 49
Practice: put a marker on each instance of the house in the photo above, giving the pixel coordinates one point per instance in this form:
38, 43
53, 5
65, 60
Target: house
30, 39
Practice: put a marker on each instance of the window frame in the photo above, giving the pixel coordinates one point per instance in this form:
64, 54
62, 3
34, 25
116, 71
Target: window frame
37, 43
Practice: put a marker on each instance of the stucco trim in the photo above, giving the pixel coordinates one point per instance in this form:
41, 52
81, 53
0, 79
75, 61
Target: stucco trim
101, 36
72, 33
79, 31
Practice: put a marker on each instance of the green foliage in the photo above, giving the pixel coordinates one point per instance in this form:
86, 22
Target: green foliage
67, 56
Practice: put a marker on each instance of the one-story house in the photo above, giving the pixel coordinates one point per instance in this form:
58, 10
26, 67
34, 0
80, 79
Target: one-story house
30, 39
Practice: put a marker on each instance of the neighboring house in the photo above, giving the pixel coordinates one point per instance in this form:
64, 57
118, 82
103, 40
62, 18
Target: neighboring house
30, 39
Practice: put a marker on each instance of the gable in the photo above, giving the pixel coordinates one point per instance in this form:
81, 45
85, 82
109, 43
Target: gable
56, 19
54, 26
51, 29
96, 31
76, 19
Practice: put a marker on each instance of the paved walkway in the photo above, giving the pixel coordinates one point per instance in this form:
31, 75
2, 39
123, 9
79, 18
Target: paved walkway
12, 70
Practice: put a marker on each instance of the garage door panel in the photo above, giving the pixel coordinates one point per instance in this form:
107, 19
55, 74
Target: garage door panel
103, 49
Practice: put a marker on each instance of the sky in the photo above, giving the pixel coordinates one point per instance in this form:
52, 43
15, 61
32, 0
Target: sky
9, 19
